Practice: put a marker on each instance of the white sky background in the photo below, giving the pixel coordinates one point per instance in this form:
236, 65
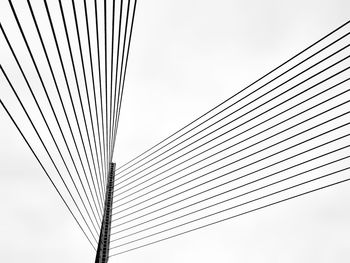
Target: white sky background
186, 57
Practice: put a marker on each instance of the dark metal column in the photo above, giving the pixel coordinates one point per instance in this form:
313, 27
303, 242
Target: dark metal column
103, 243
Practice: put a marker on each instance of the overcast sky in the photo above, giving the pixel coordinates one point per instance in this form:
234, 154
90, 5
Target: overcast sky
185, 58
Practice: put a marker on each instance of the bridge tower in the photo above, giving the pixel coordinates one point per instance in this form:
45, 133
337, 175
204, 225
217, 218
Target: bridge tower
103, 244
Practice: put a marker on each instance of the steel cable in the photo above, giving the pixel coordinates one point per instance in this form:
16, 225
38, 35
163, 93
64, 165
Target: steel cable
240, 108
222, 103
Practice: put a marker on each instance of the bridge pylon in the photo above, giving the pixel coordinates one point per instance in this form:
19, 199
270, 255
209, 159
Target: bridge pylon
105, 232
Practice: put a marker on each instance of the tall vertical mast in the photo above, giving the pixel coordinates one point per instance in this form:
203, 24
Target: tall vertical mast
103, 244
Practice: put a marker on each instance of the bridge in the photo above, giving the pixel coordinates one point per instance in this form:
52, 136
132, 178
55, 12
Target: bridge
281, 138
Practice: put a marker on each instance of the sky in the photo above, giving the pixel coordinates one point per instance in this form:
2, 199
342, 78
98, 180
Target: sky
185, 58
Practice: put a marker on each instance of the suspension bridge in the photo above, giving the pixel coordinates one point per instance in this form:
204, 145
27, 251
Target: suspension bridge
284, 136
